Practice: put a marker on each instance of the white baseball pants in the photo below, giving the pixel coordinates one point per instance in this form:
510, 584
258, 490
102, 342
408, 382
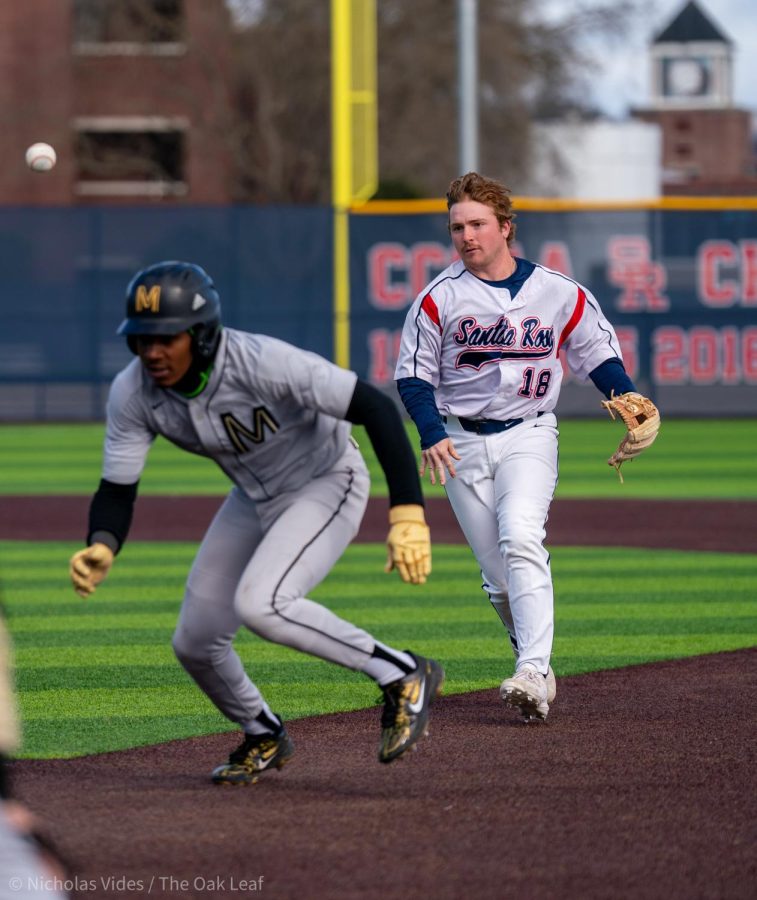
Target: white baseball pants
501, 497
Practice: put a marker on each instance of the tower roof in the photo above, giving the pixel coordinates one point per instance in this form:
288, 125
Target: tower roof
691, 24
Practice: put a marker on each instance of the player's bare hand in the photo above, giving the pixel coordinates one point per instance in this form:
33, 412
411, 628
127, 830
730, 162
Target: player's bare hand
88, 567
439, 460
409, 543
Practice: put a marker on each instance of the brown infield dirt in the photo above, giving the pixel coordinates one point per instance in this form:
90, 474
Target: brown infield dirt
640, 784
728, 526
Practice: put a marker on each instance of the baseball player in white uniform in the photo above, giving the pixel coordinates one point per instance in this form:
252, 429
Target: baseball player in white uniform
479, 372
276, 419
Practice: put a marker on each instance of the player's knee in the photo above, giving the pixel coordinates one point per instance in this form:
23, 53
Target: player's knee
198, 655
522, 540
256, 611
495, 590
266, 615
188, 650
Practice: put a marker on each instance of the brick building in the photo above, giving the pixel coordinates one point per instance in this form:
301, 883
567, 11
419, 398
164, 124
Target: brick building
707, 142
135, 95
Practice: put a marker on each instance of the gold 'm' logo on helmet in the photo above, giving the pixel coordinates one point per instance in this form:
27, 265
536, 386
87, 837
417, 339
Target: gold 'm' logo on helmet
147, 299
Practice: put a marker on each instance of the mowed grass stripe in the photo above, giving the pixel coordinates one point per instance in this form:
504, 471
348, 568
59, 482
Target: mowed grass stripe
310, 688
100, 674
157, 689
689, 460
104, 734
43, 641
149, 714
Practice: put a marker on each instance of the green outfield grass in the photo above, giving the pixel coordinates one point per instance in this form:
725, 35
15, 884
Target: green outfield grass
693, 459
99, 674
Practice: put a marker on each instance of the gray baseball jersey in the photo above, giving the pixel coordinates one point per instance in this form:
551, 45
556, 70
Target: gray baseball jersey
271, 416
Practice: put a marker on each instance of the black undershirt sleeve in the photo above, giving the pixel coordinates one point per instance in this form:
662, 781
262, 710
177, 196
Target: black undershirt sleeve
110, 513
380, 417
4, 777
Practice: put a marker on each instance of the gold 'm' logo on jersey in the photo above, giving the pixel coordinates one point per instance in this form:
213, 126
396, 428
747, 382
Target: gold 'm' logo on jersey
147, 299
261, 419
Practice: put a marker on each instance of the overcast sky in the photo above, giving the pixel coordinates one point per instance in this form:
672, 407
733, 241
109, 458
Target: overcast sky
624, 78
624, 81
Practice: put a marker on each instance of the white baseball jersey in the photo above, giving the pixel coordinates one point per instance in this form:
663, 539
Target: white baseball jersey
496, 356
271, 416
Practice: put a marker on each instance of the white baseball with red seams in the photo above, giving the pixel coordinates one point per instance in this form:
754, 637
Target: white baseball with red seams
41, 157
490, 354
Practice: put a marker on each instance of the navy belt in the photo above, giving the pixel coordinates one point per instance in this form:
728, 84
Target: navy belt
489, 426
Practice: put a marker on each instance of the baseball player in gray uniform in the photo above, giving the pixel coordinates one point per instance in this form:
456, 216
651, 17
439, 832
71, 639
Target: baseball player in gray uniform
479, 372
276, 419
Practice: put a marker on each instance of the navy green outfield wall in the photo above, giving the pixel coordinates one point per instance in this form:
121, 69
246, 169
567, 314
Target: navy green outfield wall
679, 285
64, 273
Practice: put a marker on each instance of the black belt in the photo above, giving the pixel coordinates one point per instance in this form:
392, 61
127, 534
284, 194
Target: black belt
489, 426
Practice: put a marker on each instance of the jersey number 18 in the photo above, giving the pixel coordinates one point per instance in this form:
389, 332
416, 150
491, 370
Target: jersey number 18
540, 388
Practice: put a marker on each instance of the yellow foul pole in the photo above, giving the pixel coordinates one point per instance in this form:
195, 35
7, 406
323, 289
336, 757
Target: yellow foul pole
353, 141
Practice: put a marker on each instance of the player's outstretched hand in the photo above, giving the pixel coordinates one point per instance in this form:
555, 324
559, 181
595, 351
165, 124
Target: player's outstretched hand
409, 543
89, 566
439, 458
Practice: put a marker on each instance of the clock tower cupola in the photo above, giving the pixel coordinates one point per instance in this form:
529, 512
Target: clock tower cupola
692, 63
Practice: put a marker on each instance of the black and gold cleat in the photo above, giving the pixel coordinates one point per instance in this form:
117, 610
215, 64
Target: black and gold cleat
406, 702
255, 755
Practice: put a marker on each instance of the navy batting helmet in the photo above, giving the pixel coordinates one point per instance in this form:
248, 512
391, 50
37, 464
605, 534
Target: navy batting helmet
171, 297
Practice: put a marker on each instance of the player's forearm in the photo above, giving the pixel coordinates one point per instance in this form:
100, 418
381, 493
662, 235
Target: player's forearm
418, 397
610, 377
110, 514
386, 431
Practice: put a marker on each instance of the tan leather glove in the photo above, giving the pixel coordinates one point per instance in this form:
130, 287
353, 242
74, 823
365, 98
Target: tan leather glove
642, 419
89, 566
409, 543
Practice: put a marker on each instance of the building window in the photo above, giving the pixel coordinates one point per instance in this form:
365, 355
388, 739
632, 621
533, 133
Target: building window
682, 151
107, 27
130, 157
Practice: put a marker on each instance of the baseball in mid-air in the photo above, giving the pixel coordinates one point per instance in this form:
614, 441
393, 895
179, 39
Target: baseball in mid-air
41, 157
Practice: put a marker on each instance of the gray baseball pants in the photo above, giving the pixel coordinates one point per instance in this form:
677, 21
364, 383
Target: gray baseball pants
255, 567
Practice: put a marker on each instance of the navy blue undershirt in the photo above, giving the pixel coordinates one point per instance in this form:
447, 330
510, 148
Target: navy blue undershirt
611, 377
514, 282
418, 395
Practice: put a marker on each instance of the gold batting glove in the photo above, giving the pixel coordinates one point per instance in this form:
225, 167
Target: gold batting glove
89, 566
409, 543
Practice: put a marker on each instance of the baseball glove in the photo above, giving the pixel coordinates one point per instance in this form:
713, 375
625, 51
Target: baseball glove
642, 419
